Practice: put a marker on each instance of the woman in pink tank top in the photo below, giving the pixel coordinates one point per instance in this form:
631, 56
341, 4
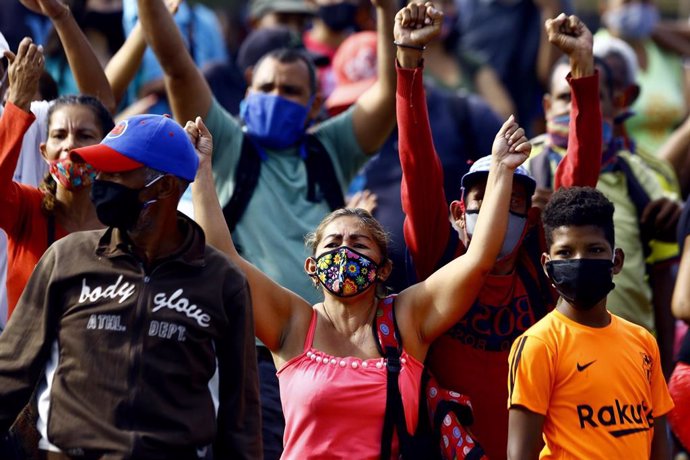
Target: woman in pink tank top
332, 376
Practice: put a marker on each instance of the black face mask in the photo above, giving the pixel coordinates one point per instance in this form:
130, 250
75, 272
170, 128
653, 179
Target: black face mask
338, 16
116, 205
582, 282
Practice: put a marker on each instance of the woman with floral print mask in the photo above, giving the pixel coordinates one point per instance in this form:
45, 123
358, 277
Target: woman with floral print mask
332, 375
326, 354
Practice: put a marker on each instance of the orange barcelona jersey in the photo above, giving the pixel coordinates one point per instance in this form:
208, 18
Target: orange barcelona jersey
598, 388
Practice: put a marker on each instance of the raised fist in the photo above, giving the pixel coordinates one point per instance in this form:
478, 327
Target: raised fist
417, 24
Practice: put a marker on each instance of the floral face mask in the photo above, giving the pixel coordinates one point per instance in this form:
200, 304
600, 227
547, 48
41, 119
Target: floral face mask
345, 272
73, 176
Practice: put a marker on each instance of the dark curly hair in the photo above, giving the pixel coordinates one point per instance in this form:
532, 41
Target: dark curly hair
105, 121
578, 206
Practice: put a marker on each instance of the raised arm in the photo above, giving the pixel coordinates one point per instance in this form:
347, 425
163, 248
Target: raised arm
426, 225
124, 65
188, 93
373, 118
87, 71
437, 303
275, 308
547, 55
24, 73
582, 163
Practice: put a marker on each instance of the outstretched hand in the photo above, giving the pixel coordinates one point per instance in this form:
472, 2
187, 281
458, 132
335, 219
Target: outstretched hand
511, 147
417, 24
51, 8
24, 73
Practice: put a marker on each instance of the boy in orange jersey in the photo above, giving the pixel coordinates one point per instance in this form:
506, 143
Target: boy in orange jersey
584, 383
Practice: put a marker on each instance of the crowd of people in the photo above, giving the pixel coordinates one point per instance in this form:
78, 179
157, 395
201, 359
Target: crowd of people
368, 229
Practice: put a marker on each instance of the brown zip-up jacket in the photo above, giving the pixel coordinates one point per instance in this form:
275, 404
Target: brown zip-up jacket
138, 364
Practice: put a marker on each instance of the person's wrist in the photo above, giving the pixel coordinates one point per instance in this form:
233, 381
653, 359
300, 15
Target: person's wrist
409, 57
505, 172
63, 14
20, 101
581, 64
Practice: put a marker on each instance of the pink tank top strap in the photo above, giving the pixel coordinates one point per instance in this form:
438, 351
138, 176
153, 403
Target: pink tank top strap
309, 339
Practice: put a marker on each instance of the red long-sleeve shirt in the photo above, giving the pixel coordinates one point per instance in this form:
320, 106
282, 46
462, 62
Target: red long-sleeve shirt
472, 357
424, 203
22, 219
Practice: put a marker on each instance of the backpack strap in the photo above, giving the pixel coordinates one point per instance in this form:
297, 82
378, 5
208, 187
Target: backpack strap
320, 171
638, 195
246, 178
389, 344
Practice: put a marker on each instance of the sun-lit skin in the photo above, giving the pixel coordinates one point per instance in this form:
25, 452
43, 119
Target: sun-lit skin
71, 127
580, 242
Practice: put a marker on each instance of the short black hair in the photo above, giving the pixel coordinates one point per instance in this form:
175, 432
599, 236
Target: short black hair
103, 116
577, 207
289, 55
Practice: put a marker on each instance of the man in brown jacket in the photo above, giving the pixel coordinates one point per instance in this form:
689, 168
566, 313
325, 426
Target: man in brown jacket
139, 338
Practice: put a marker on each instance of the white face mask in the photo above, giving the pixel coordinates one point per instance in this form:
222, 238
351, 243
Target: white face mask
516, 226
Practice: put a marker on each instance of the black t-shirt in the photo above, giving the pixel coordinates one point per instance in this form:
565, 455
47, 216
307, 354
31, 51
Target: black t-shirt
683, 231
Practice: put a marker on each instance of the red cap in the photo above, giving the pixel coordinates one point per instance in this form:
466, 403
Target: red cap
354, 66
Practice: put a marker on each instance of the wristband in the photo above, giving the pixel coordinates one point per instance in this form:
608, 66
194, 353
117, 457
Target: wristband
412, 47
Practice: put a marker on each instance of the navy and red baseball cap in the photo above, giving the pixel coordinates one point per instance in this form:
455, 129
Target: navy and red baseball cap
154, 141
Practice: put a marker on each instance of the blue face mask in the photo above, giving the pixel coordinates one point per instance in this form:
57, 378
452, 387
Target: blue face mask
634, 21
516, 227
273, 121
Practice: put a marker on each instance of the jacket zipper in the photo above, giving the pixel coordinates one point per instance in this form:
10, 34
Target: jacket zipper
137, 344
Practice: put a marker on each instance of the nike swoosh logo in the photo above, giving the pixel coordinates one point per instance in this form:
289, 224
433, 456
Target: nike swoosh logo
582, 367
621, 433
